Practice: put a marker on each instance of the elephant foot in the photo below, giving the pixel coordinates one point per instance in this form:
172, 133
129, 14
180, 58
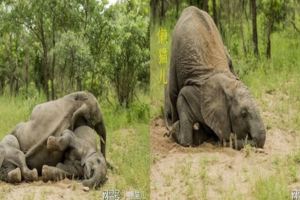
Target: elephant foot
52, 173
52, 144
14, 176
30, 175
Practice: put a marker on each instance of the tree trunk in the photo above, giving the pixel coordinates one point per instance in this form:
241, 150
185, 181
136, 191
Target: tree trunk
53, 59
222, 31
242, 34
45, 69
177, 8
205, 5
26, 71
162, 10
215, 14
254, 28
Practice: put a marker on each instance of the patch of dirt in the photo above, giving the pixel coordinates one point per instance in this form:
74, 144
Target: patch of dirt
211, 172
65, 189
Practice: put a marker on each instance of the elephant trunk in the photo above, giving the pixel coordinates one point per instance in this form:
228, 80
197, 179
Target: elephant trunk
91, 183
259, 138
101, 131
97, 178
258, 134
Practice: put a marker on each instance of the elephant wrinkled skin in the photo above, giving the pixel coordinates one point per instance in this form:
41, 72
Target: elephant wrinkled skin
51, 119
204, 89
82, 159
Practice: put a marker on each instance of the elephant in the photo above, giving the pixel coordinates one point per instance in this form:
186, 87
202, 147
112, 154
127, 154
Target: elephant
203, 88
12, 162
82, 159
51, 119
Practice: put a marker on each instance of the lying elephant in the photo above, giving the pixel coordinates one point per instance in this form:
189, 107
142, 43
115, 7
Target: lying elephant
51, 119
12, 162
82, 159
203, 88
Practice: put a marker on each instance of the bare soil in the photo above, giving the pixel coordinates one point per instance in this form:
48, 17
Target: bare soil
65, 189
209, 171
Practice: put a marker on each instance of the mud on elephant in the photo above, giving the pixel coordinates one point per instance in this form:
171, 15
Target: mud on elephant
203, 88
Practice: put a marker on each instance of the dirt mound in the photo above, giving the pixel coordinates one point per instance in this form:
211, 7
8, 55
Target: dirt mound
209, 171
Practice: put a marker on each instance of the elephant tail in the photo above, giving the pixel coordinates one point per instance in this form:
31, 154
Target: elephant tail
168, 123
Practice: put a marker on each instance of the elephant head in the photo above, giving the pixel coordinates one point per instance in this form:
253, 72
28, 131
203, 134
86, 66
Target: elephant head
94, 170
89, 114
227, 107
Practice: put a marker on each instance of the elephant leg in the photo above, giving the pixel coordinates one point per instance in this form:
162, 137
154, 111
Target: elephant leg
68, 139
183, 129
15, 156
10, 173
74, 168
60, 143
14, 176
50, 173
68, 169
199, 134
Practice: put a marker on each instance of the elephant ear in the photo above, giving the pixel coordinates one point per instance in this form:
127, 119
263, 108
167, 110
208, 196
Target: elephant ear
214, 107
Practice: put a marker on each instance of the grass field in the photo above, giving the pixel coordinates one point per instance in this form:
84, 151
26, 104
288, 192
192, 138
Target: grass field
127, 147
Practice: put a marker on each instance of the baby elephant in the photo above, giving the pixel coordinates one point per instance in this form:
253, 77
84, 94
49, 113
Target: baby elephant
82, 159
13, 166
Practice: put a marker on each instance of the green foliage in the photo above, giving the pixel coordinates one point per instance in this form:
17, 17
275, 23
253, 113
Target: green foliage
74, 61
274, 11
128, 50
75, 45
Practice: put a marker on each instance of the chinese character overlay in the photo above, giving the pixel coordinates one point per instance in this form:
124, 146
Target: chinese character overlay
162, 54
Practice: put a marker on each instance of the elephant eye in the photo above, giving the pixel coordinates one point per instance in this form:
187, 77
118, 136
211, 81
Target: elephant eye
244, 113
98, 161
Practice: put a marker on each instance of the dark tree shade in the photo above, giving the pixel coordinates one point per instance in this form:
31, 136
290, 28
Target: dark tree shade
254, 28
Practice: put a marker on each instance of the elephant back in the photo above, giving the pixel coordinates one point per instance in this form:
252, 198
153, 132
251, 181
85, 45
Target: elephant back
197, 48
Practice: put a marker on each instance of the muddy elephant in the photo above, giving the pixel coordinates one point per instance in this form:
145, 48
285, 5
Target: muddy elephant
51, 119
13, 163
203, 88
82, 159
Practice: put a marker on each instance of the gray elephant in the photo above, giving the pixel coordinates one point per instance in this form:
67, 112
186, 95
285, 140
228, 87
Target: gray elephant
51, 119
82, 159
12, 162
202, 87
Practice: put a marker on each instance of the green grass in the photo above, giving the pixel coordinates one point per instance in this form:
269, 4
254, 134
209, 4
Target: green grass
276, 186
127, 139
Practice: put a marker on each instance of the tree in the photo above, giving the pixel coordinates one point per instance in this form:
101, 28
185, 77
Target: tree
74, 62
254, 28
275, 11
215, 13
203, 4
129, 50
